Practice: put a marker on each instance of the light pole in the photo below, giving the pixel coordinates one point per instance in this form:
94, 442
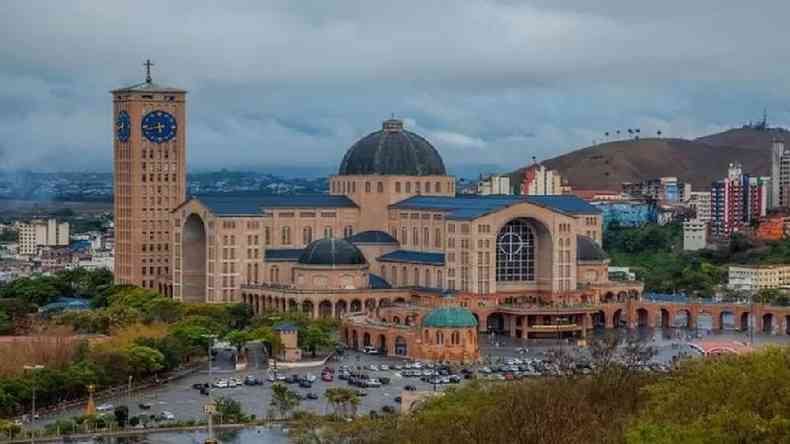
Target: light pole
210, 407
33, 369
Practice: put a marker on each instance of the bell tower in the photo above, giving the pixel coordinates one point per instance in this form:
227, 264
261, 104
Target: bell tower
149, 179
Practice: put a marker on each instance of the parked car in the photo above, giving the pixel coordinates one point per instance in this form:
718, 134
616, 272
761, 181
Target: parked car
326, 376
251, 380
385, 380
204, 391
106, 407
388, 409
312, 396
147, 406
305, 384
397, 399
293, 379
166, 416
410, 388
370, 350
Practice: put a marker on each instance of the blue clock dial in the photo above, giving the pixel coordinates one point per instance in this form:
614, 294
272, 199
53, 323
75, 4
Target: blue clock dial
123, 127
159, 126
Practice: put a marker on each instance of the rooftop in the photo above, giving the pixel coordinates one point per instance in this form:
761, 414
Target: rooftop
413, 257
473, 207
283, 254
450, 317
255, 203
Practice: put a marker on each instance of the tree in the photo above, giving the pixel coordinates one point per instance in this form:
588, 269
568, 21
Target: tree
121, 415
6, 324
344, 401
230, 410
284, 399
145, 360
314, 338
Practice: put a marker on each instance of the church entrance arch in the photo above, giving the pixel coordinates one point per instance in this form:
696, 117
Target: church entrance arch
401, 348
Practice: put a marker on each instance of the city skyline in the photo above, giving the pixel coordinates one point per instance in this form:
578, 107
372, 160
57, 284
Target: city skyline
491, 83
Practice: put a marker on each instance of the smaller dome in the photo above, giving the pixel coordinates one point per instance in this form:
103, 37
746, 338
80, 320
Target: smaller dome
332, 252
372, 237
589, 250
450, 317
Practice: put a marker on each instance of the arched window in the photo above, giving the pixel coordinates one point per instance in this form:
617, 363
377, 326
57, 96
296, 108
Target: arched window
380, 187
439, 279
427, 187
408, 187
427, 336
348, 231
455, 338
415, 236
307, 235
416, 277
404, 236
427, 280
397, 187
439, 338
404, 277
353, 187
426, 241
367, 187
327, 232
417, 187
515, 252
394, 275
286, 238
437, 238
438, 187
274, 275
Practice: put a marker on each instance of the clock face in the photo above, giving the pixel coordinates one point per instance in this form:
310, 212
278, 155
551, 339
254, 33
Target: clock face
122, 127
159, 126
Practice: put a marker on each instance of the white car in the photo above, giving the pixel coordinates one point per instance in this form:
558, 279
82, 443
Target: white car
370, 350
106, 407
168, 416
221, 384
310, 377
373, 382
384, 367
373, 367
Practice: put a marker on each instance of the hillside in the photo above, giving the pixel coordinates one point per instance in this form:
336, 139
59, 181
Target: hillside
606, 166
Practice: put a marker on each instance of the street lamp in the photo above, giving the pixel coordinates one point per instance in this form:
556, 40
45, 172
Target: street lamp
210, 407
33, 369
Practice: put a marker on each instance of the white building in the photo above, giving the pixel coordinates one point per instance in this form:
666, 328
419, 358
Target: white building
695, 235
758, 277
780, 176
699, 201
41, 233
494, 185
540, 181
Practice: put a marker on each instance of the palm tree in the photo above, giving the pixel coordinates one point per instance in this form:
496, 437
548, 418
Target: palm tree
658, 133
344, 401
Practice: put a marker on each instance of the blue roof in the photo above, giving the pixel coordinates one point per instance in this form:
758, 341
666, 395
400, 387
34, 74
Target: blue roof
472, 207
377, 282
254, 203
282, 254
285, 326
372, 237
413, 257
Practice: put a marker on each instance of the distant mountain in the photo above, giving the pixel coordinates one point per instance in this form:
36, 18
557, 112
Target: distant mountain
607, 165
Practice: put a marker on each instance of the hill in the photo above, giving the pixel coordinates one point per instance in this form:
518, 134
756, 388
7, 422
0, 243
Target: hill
607, 165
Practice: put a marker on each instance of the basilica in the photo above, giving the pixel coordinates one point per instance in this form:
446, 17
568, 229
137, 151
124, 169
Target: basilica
409, 267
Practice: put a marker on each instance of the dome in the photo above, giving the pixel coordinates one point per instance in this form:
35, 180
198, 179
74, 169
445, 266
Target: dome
392, 151
332, 252
450, 317
589, 250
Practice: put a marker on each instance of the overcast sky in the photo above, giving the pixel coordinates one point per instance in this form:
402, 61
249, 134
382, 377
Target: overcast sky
296, 83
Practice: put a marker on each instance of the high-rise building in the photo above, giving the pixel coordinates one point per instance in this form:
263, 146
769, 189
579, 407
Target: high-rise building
149, 181
494, 184
41, 233
780, 175
699, 201
736, 201
539, 181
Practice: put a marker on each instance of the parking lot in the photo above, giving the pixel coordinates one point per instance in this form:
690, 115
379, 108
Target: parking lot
497, 354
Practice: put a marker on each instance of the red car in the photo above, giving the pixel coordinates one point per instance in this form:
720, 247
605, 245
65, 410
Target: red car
326, 376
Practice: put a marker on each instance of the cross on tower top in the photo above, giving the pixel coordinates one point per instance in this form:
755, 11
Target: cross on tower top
148, 66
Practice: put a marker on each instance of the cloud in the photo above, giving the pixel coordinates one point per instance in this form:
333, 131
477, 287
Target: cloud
278, 82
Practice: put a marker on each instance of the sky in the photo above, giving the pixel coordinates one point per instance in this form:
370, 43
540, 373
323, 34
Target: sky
284, 84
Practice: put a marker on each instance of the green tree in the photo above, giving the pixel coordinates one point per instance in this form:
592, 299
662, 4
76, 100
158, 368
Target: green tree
121, 415
145, 360
343, 401
732, 399
284, 399
231, 411
6, 323
314, 338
